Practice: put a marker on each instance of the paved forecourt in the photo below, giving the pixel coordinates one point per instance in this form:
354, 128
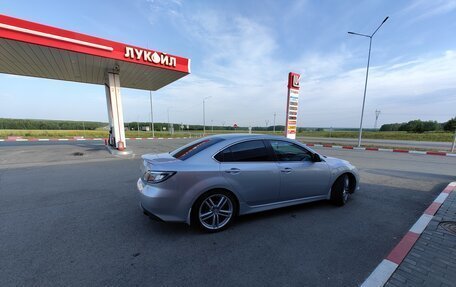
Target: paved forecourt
431, 260
78, 223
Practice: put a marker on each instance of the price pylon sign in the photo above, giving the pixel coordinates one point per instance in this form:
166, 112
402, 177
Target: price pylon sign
292, 105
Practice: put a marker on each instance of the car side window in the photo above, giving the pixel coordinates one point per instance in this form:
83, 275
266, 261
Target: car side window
249, 151
224, 155
287, 151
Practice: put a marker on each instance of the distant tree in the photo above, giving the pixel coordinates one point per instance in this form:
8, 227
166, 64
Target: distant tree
415, 126
431, 126
390, 127
450, 125
419, 126
28, 124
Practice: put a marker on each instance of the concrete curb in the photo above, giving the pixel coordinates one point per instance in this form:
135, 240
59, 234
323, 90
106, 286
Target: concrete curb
439, 153
386, 268
121, 154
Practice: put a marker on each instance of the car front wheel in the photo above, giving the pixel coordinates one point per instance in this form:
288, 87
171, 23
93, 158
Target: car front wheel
340, 190
214, 211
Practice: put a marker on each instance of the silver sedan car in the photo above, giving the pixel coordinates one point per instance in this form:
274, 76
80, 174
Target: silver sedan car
208, 182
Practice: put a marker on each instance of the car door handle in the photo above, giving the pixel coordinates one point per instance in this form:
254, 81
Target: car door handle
286, 170
233, 170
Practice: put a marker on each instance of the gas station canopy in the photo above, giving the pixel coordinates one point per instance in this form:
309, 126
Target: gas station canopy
32, 49
36, 50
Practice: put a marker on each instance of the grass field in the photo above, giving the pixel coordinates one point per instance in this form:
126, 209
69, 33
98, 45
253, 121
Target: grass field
86, 134
430, 136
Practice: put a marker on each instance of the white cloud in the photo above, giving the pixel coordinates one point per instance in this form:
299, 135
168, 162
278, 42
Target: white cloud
246, 76
163, 8
423, 9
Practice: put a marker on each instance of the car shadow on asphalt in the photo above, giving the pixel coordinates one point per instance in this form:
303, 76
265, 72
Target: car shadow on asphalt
290, 211
173, 228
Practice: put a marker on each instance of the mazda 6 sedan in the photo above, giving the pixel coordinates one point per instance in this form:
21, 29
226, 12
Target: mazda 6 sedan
211, 181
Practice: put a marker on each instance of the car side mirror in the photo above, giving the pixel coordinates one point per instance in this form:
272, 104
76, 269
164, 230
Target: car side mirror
316, 157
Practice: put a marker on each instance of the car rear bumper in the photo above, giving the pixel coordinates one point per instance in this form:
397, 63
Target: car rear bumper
150, 214
160, 203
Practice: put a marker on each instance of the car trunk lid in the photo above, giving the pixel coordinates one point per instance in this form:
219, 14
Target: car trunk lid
155, 161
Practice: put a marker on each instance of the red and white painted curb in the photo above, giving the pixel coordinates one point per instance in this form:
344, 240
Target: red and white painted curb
81, 139
386, 268
440, 153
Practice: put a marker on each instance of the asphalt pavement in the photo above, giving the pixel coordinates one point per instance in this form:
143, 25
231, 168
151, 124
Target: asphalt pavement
77, 223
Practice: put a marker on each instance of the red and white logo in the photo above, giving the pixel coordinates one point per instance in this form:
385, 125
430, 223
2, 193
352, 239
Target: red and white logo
293, 81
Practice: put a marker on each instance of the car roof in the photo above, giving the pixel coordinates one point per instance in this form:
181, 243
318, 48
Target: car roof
247, 136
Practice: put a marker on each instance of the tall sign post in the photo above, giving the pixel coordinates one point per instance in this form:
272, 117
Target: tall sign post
292, 105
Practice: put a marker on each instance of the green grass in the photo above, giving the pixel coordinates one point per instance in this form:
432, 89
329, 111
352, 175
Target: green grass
86, 134
429, 136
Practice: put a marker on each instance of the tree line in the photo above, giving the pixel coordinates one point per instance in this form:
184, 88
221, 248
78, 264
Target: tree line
419, 126
178, 127
29, 124
32, 124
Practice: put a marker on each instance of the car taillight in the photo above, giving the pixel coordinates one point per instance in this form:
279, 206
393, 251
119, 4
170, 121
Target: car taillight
153, 177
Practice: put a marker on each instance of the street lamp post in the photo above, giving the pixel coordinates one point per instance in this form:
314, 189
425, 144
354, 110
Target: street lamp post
454, 141
273, 129
151, 116
367, 75
170, 129
137, 124
204, 114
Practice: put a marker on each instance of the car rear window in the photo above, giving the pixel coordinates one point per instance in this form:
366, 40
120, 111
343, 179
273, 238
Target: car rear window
195, 147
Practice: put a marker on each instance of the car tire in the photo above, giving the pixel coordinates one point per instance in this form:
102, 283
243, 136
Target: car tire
340, 190
214, 211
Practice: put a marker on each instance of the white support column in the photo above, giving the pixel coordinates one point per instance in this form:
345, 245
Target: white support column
108, 105
115, 113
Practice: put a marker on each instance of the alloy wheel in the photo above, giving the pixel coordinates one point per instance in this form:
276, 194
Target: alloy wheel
215, 211
346, 190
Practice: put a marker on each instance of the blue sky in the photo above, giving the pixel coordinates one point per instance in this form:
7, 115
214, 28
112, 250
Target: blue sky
241, 54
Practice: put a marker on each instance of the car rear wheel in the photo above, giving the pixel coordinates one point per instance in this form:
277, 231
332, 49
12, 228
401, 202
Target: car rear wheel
340, 190
214, 211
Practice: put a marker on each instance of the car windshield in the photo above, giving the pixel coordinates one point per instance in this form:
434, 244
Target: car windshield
193, 148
